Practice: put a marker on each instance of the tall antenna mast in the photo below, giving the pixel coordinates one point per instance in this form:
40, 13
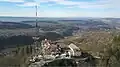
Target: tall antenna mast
37, 29
36, 15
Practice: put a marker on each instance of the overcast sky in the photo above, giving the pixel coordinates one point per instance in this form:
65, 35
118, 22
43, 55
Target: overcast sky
61, 8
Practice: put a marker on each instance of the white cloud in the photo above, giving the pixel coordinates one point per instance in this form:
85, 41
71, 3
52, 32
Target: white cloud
12, 0
36, 2
41, 1
98, 4
70, 3
29, 4
95, 4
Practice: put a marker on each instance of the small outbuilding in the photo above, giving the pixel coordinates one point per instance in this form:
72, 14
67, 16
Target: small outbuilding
75, 51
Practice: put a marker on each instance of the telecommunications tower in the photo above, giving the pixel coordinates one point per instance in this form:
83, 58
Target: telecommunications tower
36, 25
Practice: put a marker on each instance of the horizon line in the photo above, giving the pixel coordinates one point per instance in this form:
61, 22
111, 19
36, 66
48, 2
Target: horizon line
55, 17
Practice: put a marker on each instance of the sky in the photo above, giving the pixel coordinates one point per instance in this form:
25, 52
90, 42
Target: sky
61, 8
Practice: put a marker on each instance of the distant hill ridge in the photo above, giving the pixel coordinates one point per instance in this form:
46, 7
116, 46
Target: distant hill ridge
12, 25
41, 21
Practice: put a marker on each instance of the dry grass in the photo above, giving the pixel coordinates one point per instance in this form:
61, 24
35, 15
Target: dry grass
91, 41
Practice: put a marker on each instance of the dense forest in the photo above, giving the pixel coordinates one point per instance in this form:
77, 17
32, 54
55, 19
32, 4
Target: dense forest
21, 40
15, 40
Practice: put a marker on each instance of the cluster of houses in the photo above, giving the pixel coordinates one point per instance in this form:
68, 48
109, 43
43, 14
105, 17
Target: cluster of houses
54, 50
59, 48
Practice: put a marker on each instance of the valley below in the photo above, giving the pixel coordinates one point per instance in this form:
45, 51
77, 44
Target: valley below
98, 37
